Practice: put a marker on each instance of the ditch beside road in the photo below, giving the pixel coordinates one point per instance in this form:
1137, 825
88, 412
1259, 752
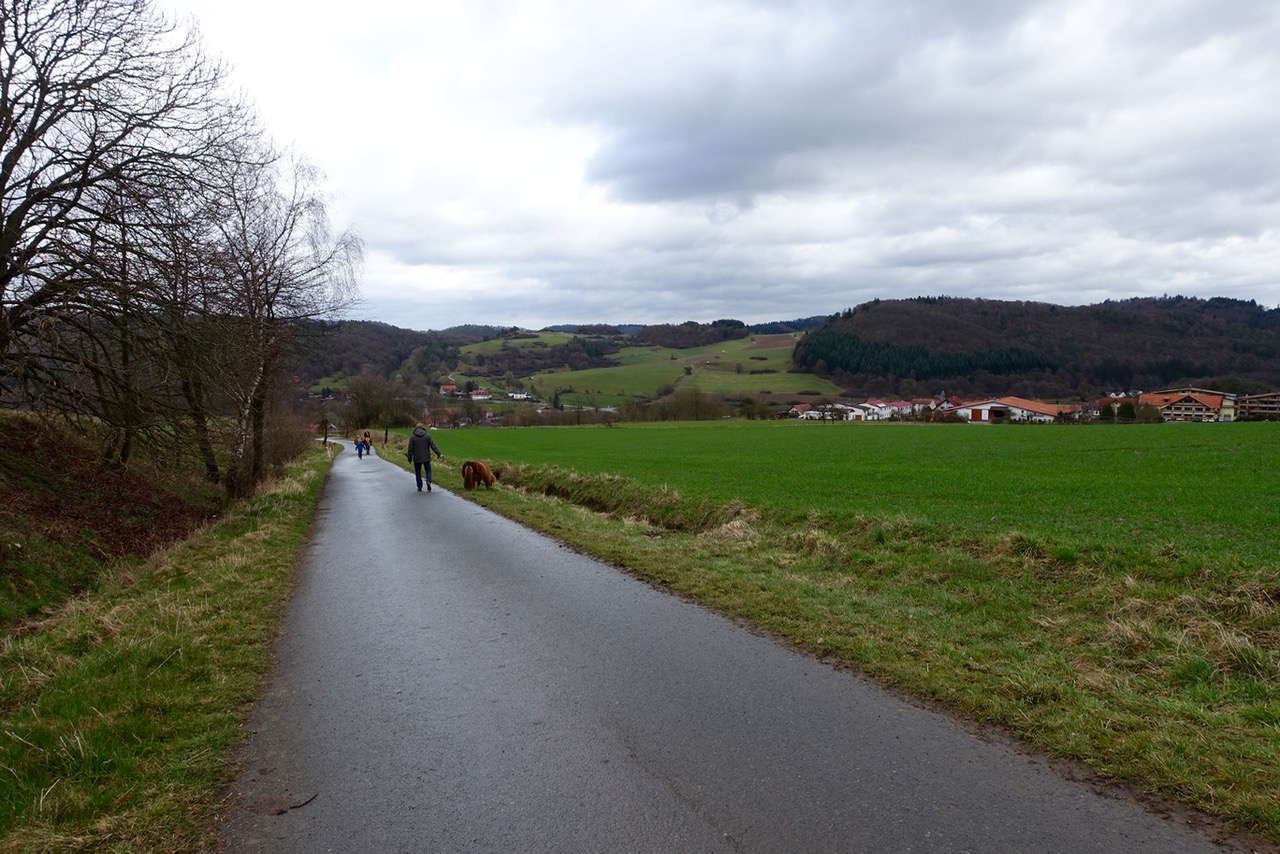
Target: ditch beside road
448, 680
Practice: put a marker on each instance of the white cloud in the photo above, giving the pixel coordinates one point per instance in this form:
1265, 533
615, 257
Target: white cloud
522, 162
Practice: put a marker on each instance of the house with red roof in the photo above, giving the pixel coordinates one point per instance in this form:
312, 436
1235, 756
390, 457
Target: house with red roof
1191, 404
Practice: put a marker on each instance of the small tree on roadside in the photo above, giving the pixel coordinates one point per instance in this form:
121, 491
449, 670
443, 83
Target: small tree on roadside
282, 266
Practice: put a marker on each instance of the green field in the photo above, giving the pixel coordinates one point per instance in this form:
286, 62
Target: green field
717, 379
493, 345
1208, 488
737, 368
710, 374
1108, 594
639, 379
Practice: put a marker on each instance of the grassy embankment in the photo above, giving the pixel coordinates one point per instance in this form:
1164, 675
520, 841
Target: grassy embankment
1110, 595
119, 709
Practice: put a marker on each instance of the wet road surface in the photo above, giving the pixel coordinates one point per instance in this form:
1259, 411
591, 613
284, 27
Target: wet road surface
448, 681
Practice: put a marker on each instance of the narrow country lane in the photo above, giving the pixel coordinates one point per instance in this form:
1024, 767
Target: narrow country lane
449, 681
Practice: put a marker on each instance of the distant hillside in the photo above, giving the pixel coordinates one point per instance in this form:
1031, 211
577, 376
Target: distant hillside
779, 327
355, 348
774, 327
973, 346
578, 353
469, 332
909, 348
362, 347
595, 328
691, 334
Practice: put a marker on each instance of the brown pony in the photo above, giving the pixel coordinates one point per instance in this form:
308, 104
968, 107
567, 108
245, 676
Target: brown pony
475, 473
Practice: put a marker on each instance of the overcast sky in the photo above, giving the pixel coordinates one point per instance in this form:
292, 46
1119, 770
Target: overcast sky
530, 162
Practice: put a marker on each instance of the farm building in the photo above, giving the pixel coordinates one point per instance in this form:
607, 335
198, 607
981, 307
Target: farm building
1191, 404
1259, 405
1007, 409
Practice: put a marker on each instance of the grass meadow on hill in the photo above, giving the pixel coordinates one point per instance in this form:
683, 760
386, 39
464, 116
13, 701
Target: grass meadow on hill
713, 373
642, 379
493, 345
745, 366
1109, 594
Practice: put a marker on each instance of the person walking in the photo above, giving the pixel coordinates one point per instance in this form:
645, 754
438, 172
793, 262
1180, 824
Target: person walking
421, 446
359, 448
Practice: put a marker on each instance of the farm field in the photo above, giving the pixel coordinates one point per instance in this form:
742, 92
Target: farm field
711, 372
1208, 489
759, 365
1109, 595
645, 378
541, 339
637, 379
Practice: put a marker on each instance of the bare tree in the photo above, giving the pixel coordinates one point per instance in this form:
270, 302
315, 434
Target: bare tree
156, 255
374, 401
99, 100
281, 266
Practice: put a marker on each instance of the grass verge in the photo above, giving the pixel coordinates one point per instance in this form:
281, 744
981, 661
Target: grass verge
1151, 668
119, 710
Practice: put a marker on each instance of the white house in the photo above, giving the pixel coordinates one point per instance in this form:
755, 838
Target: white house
877, 410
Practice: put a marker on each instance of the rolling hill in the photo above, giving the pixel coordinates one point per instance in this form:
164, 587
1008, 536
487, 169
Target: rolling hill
904, 348
975, 346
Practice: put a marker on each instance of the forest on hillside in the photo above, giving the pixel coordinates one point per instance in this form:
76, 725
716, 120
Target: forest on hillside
690, 334
922, 346
359, 347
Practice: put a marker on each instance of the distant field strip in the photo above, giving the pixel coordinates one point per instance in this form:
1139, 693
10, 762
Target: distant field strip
641, 379
646, 379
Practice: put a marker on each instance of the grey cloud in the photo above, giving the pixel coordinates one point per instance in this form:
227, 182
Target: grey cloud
769, 159
938, 83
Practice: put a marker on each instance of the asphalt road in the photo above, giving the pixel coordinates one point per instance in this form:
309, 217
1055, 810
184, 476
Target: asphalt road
449, 681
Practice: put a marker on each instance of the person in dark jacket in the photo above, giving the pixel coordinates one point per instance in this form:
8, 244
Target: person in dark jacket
421, 446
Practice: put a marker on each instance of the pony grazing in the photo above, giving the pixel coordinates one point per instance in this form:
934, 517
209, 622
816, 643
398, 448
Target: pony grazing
475, 473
